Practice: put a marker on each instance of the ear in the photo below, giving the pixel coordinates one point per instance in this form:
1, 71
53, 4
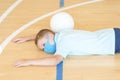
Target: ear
51, 36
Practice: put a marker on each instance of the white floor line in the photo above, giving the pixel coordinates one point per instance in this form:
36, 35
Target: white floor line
9, 38
7, 12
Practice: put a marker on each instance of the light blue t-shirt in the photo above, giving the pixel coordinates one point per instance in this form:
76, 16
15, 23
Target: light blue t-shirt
80, 42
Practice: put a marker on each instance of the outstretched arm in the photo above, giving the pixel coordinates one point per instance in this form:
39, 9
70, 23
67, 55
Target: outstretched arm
24, 39
49, 61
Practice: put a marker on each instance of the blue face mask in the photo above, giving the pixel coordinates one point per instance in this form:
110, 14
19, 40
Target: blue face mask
50, 48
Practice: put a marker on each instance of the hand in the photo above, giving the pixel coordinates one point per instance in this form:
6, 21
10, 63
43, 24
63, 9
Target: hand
22, 63
19, 40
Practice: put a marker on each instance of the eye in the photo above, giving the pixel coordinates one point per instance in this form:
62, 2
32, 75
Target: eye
44, 44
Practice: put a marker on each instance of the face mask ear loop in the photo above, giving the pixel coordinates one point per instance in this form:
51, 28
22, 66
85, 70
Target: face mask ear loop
48, 39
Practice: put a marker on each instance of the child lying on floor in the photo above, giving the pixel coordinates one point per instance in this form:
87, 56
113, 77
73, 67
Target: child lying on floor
71, 42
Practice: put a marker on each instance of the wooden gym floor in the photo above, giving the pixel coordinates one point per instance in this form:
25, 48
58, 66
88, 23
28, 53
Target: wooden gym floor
94, 16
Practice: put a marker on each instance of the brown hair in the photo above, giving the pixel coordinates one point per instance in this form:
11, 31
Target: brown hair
42, 33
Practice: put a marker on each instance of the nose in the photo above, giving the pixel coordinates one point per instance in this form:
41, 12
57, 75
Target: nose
42, 47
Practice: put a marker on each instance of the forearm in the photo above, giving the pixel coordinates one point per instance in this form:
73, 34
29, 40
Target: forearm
49, 61
44, 62
23, 39
29, 38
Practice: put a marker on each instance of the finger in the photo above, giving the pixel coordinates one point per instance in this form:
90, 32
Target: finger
18, 65
15, 40
20, 41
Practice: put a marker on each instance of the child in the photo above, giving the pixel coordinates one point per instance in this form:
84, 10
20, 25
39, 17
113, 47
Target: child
72, 42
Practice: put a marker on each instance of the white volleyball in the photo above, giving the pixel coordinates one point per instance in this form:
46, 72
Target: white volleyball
61, 21
0, 49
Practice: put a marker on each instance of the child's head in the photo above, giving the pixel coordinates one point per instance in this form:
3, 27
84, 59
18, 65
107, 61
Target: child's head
45, 40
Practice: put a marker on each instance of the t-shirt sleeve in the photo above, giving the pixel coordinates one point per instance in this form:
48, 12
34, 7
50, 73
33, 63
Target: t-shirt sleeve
63, 52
